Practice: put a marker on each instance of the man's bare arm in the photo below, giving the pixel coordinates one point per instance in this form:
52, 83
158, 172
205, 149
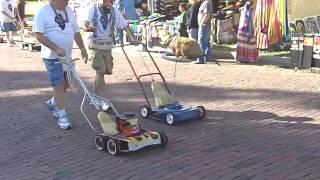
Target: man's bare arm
45, 41
205, 19
79, 41
131, 36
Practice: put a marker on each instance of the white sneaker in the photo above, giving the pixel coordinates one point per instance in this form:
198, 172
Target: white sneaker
63, 121
102, 105
53, 108
97, 101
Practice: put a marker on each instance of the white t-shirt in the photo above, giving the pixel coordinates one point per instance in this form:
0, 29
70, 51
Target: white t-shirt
44, 22
119, 23
8, 7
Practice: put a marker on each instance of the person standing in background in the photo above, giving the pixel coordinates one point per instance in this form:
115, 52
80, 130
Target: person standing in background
143, 10
128, 11
183, 20
7, 16
21, 12
204, 21
215, 8
192, 19
247, 51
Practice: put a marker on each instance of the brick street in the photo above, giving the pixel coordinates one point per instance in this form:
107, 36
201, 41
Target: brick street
262, 123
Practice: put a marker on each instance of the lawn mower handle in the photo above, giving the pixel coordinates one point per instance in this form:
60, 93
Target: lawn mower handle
87, 92
143, 75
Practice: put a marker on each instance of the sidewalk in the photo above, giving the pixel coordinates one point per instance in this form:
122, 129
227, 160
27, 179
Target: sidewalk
262, 123
265, 60
283, 62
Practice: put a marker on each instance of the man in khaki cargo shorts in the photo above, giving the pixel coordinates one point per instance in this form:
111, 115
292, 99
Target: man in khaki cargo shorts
101, 20
102, 61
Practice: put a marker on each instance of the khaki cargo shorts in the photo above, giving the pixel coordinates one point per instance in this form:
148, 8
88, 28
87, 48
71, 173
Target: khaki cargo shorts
102, 61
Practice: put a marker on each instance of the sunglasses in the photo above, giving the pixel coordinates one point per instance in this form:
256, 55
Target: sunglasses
61, 21
59, 18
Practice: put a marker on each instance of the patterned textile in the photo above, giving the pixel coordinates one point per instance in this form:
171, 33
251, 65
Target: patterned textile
261, 22
246, 49
273, 30
262, 40
271, 22
246, 40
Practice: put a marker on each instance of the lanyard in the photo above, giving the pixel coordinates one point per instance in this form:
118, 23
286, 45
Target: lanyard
59, 18
104, 16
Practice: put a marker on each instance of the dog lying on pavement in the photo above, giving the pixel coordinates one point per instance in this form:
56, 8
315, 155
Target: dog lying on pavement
181, 46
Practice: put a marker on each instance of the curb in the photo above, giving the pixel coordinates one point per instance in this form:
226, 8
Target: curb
275, 60
315, 70
224, 54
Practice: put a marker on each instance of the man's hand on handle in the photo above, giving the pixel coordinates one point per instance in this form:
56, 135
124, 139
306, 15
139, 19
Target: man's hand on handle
60, 52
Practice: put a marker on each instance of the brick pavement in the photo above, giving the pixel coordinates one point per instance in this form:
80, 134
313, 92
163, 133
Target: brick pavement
262, 123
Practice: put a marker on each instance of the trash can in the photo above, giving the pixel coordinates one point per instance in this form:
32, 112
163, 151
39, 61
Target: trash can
307, 51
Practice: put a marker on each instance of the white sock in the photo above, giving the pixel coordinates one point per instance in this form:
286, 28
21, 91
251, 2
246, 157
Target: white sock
52, 101
61, 112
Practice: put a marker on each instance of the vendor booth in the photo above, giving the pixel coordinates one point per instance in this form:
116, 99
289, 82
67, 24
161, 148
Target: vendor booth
274, 20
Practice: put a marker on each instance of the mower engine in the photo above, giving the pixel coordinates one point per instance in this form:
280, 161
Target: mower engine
128, 125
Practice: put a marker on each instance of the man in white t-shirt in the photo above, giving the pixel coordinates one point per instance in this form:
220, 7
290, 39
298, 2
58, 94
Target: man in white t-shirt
56, 28
7, 16
100, 22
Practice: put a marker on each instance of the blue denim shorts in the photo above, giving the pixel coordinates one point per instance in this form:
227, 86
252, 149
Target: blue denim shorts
55, 71
8, 26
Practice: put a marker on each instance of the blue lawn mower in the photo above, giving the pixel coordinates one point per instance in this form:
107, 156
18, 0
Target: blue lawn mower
166, 108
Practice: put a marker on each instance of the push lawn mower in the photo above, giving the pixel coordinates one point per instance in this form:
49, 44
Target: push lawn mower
125, 133
166, 109
29, 40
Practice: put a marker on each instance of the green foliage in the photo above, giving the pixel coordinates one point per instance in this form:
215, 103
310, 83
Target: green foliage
32, 6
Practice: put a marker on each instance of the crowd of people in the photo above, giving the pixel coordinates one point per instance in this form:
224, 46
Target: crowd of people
195, 22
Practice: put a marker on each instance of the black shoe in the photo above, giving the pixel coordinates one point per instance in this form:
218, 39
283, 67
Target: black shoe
199, 62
